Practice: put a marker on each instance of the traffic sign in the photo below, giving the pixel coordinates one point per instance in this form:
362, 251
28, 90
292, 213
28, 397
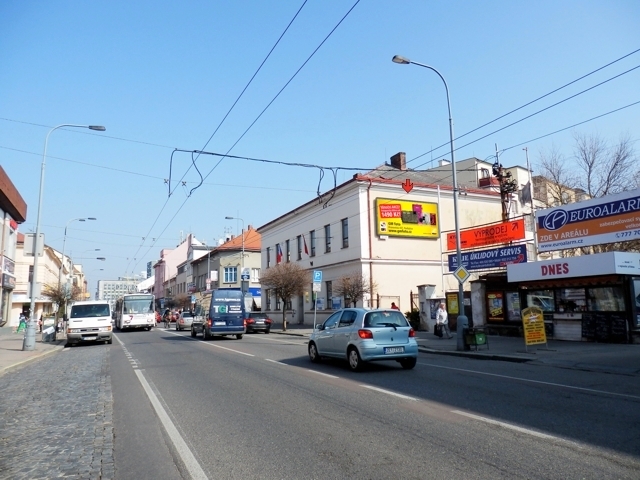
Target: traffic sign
462, 274
317, 287
317, 276
245, 274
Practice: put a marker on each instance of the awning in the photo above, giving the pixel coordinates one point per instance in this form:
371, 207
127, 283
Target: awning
257, 301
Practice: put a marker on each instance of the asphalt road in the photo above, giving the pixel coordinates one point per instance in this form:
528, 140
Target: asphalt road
257, 408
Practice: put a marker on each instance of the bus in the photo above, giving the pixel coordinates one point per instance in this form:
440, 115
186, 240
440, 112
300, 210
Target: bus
135, 310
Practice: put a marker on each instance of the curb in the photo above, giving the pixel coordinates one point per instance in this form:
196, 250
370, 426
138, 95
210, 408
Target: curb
478, 355
4, 370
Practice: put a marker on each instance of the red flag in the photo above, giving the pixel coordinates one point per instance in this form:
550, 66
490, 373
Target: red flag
278, 253
306, 250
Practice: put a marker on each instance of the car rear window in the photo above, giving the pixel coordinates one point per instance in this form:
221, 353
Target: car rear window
385, 318
258, 315
83, 311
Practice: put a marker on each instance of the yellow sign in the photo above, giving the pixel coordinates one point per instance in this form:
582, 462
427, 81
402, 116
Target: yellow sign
397, 218
452, 303
533, 324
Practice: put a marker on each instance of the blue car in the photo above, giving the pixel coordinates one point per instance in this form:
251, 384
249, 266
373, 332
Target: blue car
359, 335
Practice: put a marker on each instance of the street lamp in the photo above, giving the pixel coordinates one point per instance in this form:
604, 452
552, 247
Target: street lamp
64, 240
462, 322
29, 342
242, 284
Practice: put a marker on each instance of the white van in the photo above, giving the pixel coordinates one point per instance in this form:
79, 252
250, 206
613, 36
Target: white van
89, 321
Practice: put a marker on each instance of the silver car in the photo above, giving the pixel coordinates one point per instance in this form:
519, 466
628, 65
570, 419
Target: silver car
184, 320
359, 335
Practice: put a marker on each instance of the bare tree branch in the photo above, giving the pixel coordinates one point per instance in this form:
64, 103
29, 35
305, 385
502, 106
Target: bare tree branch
353, 287
287, 279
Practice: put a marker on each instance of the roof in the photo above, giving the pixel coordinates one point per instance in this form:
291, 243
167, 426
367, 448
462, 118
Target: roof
252, 241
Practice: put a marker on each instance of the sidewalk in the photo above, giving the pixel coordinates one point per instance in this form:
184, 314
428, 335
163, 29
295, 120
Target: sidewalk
12, 355
621, 359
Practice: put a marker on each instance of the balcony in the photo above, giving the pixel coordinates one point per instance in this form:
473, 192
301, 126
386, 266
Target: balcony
488, 182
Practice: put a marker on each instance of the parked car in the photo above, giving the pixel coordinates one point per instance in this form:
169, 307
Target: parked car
258, 322
184, 321
359, 335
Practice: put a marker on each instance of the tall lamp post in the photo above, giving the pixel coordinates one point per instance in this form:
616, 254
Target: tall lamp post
29, 342
64, 241
462, 322
242, 284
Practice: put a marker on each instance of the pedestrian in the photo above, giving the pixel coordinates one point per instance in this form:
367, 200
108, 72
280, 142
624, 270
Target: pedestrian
394, 306
442, 319
40, 324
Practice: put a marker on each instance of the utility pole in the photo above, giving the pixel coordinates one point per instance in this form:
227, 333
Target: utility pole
508, 185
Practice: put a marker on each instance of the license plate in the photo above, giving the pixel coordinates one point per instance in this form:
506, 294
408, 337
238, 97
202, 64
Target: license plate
219, 323
92, 337
392, 350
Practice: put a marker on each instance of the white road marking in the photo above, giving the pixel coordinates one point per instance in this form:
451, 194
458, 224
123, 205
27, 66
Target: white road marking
389, 392
322, 373
189, 460
275, 361
590, 390
509, 426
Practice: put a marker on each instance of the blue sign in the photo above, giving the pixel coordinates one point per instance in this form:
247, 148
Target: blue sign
317, 276
493, 258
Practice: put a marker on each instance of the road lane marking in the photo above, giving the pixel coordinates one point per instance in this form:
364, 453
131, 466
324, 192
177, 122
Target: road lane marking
189, 460
275, 361
389, 392
509, 426
590, 390
214, 345
322, 373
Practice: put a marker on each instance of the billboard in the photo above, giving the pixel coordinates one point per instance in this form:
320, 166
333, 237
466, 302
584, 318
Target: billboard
398, 218
503, 232
493, 258
614, 218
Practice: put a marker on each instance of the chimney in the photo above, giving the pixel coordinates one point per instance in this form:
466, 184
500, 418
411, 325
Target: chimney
399, 161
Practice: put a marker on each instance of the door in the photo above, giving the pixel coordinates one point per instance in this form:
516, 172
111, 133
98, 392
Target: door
324, 337
343, 331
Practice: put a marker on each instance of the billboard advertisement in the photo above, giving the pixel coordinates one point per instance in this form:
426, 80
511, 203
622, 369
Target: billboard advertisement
614, 218
503, 232
493, 258
399, 218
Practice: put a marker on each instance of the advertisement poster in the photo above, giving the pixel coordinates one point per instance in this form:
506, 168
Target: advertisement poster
533, 325
397, 218
495, 307
452, 303
503, 232
513, 306
609, 219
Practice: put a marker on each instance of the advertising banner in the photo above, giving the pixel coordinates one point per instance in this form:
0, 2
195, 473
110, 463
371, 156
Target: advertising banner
503, 232
614, 218
398, 218
494, 258
533, 325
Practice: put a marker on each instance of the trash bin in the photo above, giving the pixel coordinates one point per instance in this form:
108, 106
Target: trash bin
475, 337
49, 334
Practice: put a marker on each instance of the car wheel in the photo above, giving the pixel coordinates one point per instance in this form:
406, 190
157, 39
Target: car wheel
110, 341
314, 356
267, 331
239, 336
408, 363
193, 333
205, 334
355, 362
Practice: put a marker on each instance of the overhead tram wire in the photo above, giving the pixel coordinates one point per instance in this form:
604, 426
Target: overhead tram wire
526, 104
261, 113
193, 161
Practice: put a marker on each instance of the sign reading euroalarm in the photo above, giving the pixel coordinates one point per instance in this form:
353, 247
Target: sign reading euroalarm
397, 218
488, 235
614, 218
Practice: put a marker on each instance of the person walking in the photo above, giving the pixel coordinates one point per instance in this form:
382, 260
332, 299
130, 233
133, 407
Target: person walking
442, 319
394, 306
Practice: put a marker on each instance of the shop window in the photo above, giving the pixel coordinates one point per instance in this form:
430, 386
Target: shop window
571, 300
606, 299
542, 299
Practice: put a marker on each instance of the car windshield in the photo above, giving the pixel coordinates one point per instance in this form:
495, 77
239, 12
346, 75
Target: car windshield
390, 318
138, 306
83, 311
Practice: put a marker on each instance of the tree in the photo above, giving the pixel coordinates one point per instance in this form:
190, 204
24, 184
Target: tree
62, 295
182, 301
597, 169
287, 281
353, 287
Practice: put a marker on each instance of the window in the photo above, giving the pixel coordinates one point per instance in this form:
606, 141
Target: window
312, 235
277, 302
230, 274
268, 257
288, 247
299, 240
345, 233
327, 238
606, 299
255, 275
267, 294
570, 300
348, 317
329, 288
542, 299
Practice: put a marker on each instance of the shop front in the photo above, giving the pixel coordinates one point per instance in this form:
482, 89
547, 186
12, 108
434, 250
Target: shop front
584, 298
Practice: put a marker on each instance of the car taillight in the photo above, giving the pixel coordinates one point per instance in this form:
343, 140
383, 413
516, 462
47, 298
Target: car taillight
365, 333
412, 332
209, 322
249, 320
268, 320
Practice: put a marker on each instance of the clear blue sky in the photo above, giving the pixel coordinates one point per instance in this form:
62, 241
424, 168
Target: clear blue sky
162, 75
